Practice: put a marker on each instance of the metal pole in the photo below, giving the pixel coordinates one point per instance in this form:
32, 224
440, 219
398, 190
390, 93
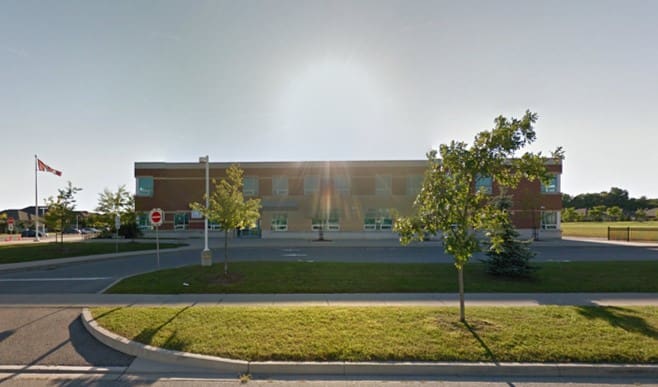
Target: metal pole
36, 201
206, 254
205, 222
157, 246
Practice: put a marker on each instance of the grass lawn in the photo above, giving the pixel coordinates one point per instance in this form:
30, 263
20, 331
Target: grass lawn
600, 229
506, 334
326, 277
41, 251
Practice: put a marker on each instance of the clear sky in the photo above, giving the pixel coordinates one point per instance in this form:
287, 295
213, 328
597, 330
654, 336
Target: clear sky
93, 86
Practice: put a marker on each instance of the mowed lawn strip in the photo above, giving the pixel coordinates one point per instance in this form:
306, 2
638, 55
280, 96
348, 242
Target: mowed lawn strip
42, 251
600, 229
331, 277
506, 334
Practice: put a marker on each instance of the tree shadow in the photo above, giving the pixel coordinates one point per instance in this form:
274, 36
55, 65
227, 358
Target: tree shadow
623, 318
147, 334
484, 345
6, 334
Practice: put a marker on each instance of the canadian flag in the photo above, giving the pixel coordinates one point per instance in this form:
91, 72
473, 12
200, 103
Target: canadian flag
46, 168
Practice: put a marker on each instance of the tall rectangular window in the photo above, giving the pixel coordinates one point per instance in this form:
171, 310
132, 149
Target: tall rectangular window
414, 184
552, 186
181, 220
311, 184
279, 222
549, 220
383, 184
484, 183
144, 186
143, 222
250, 187
342, 185
280, 185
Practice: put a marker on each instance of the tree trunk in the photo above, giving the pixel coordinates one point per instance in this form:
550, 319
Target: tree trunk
462, 313
226, 253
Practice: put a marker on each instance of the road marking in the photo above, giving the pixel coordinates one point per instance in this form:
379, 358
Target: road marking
54, 279
294, 255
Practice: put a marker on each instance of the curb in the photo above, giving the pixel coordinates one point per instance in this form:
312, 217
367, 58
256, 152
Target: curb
354, 369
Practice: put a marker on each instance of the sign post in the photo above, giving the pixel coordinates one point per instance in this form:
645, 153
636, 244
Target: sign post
156, 216
117, 224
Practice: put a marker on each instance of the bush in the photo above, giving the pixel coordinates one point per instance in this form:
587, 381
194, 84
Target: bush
130, 231
513, 258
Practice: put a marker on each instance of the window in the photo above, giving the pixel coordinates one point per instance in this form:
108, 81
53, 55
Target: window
483, 183
414, 184
553, 185
143, 222
383, 185
144, 186
280, 222
549, 220
280, 185
181, 220
311, 184
250, 187
378, 219
330, 223
342, 185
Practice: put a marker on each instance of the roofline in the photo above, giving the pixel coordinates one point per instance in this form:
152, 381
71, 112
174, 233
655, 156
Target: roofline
294, 164
279, 164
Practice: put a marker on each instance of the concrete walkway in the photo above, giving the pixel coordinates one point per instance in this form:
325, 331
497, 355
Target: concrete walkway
353, 299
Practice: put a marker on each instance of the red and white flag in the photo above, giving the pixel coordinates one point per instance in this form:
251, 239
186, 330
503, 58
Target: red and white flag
46, 168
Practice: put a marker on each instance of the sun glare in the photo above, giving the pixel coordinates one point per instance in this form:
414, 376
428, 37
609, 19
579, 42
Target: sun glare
334, 98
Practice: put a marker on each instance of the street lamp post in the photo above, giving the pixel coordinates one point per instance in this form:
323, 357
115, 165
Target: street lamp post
206, 254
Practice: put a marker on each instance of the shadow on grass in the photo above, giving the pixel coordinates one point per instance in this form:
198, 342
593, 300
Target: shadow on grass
146, 335
622, 318
484, 345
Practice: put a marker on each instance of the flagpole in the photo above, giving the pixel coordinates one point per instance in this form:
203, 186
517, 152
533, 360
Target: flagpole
36, 200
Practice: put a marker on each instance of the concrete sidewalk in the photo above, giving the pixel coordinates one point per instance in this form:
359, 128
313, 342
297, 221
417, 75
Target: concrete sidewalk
345, 299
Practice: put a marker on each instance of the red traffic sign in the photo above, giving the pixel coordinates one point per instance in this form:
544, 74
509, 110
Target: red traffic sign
10, 221
156, 216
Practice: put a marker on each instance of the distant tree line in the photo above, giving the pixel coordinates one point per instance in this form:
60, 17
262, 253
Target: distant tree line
614, 205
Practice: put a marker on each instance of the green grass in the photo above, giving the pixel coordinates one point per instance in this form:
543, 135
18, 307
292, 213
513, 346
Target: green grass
600, 229
506, 334
42, 251
326, 277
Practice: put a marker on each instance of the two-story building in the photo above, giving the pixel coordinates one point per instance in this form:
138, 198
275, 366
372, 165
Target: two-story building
348, 199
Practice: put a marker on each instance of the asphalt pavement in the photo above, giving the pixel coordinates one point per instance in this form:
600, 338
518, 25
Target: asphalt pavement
39, 325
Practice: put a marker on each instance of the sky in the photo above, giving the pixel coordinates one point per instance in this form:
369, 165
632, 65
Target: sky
93, 86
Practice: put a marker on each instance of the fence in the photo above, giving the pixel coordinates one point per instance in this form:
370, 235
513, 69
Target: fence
633, 234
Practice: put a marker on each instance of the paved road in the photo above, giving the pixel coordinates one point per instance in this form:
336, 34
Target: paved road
92, 277
51, 336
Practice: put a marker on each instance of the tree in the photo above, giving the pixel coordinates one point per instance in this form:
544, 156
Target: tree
228, 208
614, 213
597, 213
641, 214
448, 202
60, 212
569, 214
122, 203
512, 258
3, 222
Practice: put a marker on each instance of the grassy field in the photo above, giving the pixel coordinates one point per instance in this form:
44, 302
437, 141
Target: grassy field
328, 277
506, 334
600, 229
42, 251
